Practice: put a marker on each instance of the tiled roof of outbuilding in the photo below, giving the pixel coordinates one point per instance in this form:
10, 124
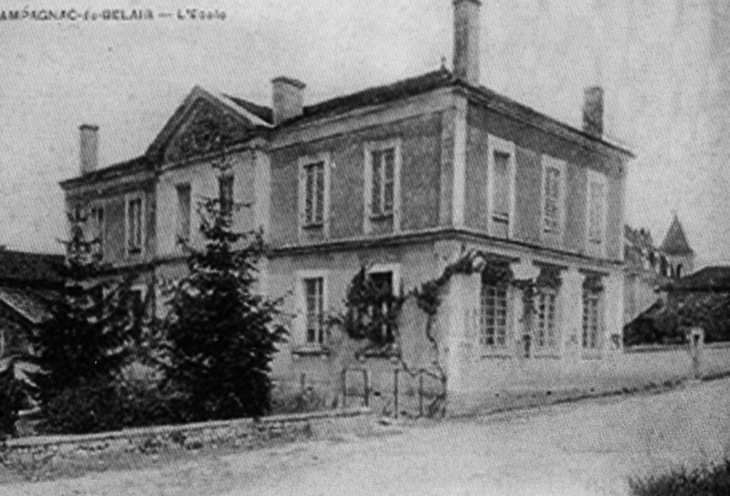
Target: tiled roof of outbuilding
715, 278
18, 266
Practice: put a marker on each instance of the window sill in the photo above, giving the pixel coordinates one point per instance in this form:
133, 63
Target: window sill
379, 217
314, 351
495, 352
313, 226
387, 351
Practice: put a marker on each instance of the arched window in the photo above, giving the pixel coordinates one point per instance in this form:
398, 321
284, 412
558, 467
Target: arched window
679, 271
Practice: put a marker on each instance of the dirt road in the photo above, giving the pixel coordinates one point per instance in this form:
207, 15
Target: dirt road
582, 448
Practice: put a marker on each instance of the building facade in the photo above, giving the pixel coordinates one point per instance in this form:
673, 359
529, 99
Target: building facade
400, 179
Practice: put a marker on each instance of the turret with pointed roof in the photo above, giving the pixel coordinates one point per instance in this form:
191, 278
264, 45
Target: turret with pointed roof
677, 250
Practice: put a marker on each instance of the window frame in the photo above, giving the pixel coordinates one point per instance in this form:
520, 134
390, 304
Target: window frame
548, 349
224, 179
499, 145
179, 238
549, 162
304, 163
395, 214
598, 341
593, 246
507, 348
99, 226
394, 270
301, 342
136, 250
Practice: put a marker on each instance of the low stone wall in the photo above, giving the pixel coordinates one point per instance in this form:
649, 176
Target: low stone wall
499, 384
242, 433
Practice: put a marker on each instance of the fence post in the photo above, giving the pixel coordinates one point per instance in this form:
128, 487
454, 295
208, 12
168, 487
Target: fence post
366, 380
395, 391
420, 393
344, 388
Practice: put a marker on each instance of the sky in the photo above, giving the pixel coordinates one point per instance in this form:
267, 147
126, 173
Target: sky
660, 61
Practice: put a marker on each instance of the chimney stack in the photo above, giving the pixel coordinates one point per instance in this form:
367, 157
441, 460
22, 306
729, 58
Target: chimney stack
288, 98
593, 111
466, 40
89, 147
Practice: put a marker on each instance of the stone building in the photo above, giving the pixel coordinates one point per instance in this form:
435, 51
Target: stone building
399, 179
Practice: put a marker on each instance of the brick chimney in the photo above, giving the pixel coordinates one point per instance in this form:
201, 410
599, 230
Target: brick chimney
466, 40
593, 111
89, 147
288, 98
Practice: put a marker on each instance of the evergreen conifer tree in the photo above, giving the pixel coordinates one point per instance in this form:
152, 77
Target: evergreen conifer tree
222, 335
88, 337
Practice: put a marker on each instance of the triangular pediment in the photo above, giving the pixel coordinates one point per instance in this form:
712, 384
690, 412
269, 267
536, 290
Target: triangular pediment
203, 124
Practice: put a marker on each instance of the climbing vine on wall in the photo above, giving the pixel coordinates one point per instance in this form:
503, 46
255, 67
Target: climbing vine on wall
372, 310
360, 322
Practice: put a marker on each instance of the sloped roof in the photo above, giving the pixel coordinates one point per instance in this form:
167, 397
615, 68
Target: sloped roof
377, 95
715, 278
18, 266
263, 113
30, 304
675, 242
137, 164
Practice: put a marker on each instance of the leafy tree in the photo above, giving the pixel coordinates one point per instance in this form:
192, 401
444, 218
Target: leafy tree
88, 337
222, 335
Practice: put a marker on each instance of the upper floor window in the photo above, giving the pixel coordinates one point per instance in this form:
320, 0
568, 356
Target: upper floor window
97, 225
134, 225
382, 181
501, 185
183, 212
553, 194
225, 194
314, 190
596, 212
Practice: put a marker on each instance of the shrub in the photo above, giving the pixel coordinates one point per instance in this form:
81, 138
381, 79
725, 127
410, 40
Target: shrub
100, 407
706, 481
12, 399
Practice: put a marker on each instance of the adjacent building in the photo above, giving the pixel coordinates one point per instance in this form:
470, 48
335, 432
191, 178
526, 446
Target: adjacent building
399, 179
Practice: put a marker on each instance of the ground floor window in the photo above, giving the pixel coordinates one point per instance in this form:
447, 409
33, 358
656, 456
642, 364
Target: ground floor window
382, 284
494, 312
546, 315
314, 296
592, 319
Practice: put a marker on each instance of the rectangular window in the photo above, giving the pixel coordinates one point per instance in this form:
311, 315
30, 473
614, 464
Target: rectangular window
553, 200
314, 299
383, 182
545, 329
183, 212
97, 220
494, 315
382, 283
501, 169
596, 211
502, 183
225, 194
591, 318
314, 192
134, 225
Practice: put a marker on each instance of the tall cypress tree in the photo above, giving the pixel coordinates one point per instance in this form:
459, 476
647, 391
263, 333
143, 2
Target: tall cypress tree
222, 334
88, 337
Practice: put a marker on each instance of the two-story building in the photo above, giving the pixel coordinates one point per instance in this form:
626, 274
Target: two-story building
400, 179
